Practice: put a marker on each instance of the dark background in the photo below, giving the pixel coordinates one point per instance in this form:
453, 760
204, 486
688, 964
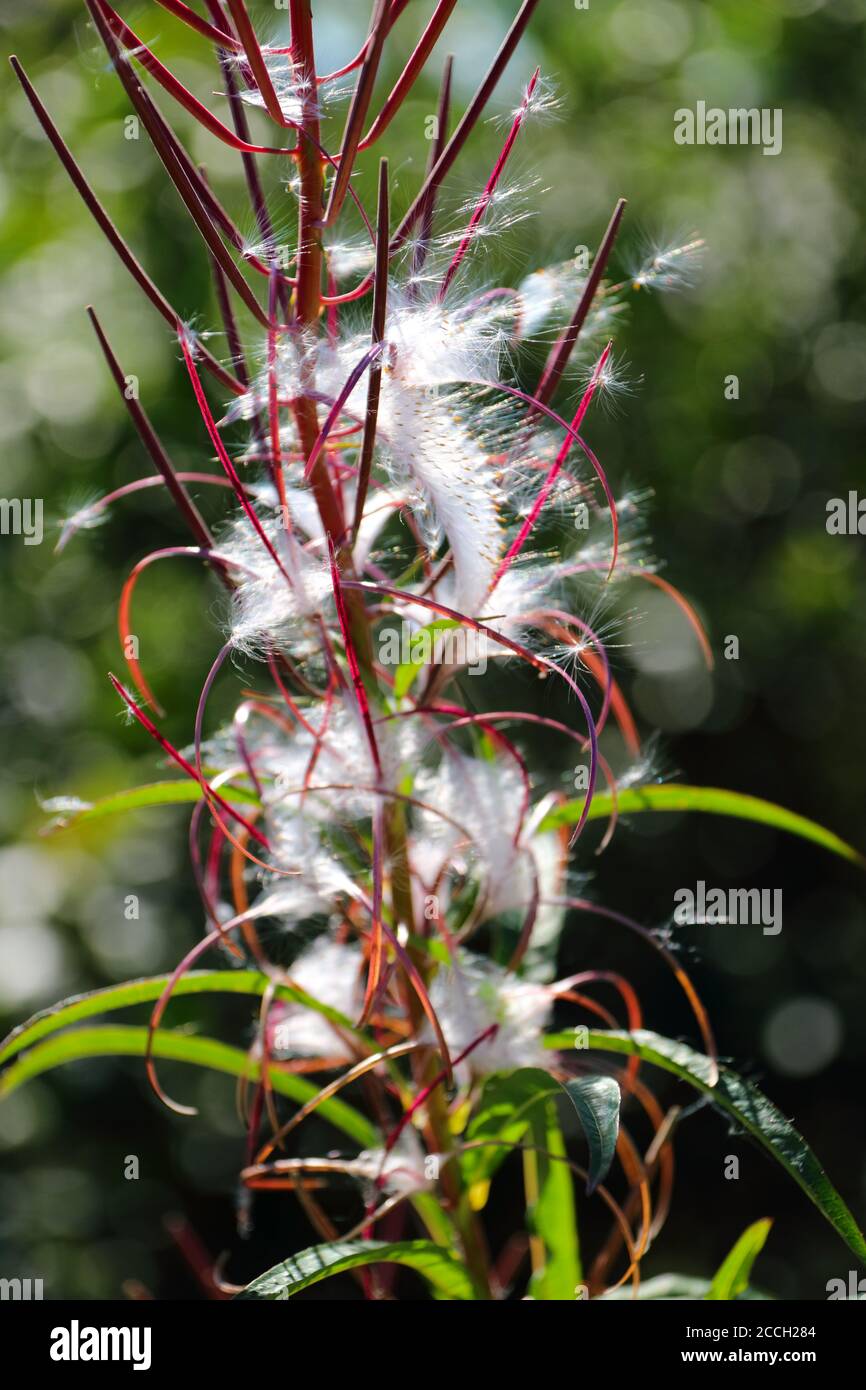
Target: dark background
738, 516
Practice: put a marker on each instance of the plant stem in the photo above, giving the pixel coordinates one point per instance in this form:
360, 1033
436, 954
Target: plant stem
310, 169
471, 1237
309, 305
309, 260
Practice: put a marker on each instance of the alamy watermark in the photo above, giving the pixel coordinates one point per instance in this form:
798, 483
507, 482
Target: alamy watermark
22, 516
852, 1288
738, 125
20, 1290
846, 516
434, 646
77, 1343
733, 906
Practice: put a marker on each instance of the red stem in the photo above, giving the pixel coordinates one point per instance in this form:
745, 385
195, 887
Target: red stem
243, 24
410, 73
436, 148
309, 260
184, 176
201, 26
150, 440
149, 61
358, 110
181, 761
562, 350
489, 189
377, 335
107, 227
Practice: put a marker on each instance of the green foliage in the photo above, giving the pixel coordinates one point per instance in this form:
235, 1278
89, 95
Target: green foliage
597, 1100
443, 1272
176, 793
551, 1217
747, 1107
710, 800
123, 996
731, 1279
217, 1056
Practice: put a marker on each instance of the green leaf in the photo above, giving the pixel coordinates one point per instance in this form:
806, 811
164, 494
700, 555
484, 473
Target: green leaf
199, 1051
674, 1288
505, 1109
732, 1276
550, 1213
176, 793
501, 1120
743, 1103
597, 1102
445, 1274
123, 996
117, 1041
711, 800
421, 641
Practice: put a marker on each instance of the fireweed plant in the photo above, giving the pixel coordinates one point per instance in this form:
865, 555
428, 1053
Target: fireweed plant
377, 863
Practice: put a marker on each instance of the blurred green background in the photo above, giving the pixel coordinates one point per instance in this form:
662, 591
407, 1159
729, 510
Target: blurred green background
738, 514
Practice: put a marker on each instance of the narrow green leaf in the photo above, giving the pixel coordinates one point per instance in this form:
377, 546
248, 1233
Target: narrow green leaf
505, 1111
675, 1288
101, 1001
421, 644
446, 1276
550, 1212
732, 1277
199, 1051
742, 1102
501, 1119
711, 800
117, 1041
175, 793
597, 1102
439, 1223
